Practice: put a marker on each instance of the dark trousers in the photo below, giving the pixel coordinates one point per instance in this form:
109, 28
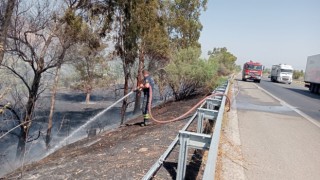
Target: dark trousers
145, 106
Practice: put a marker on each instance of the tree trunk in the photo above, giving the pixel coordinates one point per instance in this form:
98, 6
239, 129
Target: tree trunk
27, 120
88, 97
22, 142
5, 26
53, 101
125, 101
137, 104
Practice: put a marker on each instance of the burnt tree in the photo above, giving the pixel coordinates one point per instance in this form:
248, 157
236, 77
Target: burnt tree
5, 19
32, 43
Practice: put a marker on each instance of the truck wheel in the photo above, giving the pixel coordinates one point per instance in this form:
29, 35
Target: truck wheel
258, 81
316, 88
312, 87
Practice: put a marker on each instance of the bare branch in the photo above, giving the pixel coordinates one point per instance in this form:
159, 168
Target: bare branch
45, 48
33, 53
11, 132
34, 138
11, 110
17, 74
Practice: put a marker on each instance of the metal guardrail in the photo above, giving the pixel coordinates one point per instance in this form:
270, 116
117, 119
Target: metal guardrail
209, 172
198, 140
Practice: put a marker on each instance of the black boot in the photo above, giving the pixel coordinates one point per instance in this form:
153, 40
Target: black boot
147, 122
143, 123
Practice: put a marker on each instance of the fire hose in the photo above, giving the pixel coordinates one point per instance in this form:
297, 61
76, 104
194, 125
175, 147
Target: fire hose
185, 114
149, 109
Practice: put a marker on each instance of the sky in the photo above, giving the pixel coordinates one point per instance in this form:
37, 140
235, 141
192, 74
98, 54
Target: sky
267, 31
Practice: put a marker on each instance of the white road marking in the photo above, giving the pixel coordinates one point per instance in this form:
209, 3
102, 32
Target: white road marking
310, 119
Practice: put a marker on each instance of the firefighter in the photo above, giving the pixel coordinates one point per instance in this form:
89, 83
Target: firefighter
148, 82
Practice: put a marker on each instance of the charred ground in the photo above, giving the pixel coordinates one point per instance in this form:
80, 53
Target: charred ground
123, 153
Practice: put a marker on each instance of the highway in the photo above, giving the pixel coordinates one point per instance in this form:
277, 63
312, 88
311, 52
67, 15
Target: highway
276, 141
296, 96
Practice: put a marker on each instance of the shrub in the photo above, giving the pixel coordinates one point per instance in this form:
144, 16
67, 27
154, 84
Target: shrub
224, 59
297, 74
188, 75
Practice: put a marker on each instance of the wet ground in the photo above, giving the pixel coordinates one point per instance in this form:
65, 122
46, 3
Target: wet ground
124, 153
276, 141
296, 95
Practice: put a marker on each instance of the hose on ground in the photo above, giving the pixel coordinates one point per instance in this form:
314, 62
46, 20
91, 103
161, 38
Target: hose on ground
185, 114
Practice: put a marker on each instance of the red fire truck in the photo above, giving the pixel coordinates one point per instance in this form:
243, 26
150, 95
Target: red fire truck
253, 71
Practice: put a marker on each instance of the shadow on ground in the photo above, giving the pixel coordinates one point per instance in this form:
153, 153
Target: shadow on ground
192, 169
305, 92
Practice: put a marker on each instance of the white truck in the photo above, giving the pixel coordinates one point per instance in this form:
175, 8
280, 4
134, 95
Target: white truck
312, 74
281, 73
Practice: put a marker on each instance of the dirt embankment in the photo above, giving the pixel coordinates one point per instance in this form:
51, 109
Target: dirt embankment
125, 153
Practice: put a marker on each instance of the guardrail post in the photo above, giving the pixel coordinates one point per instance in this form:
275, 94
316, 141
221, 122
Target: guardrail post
200, 121
213, 102
183, 152
209, 172
193, 140
198, 140
205, 114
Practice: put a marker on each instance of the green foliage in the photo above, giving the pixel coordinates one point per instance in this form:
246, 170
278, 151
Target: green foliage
184, 21
238, 68
267, 71
224, 59
149, 28
73, 26
91, 67
187, 73
297, 74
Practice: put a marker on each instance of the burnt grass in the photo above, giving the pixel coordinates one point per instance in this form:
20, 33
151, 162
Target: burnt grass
123, 153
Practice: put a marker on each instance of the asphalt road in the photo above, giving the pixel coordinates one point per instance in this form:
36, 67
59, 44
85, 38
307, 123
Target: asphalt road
276, 141
295, 95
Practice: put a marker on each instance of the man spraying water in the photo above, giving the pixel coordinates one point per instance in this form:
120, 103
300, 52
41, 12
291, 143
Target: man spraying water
148, 82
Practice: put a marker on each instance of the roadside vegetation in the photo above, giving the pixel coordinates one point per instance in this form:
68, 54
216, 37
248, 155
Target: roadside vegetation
86, 45
298, 75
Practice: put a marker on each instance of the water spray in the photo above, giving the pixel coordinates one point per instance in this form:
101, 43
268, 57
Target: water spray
112, 105
88, 122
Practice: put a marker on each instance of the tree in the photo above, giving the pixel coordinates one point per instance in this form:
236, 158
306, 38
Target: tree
267, 71
72, 31
144, 28
184, 24
297, 74
187, 73
91, 68
33, 42
225, 60
116, 16
152, 38
5, 19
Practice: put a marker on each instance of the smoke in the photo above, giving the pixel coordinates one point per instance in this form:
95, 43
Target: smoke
72, 122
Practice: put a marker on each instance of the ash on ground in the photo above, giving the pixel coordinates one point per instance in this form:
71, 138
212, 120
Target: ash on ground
123, 153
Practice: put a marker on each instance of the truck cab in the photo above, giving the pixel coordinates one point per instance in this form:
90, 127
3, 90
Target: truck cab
252, 71
282, 73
